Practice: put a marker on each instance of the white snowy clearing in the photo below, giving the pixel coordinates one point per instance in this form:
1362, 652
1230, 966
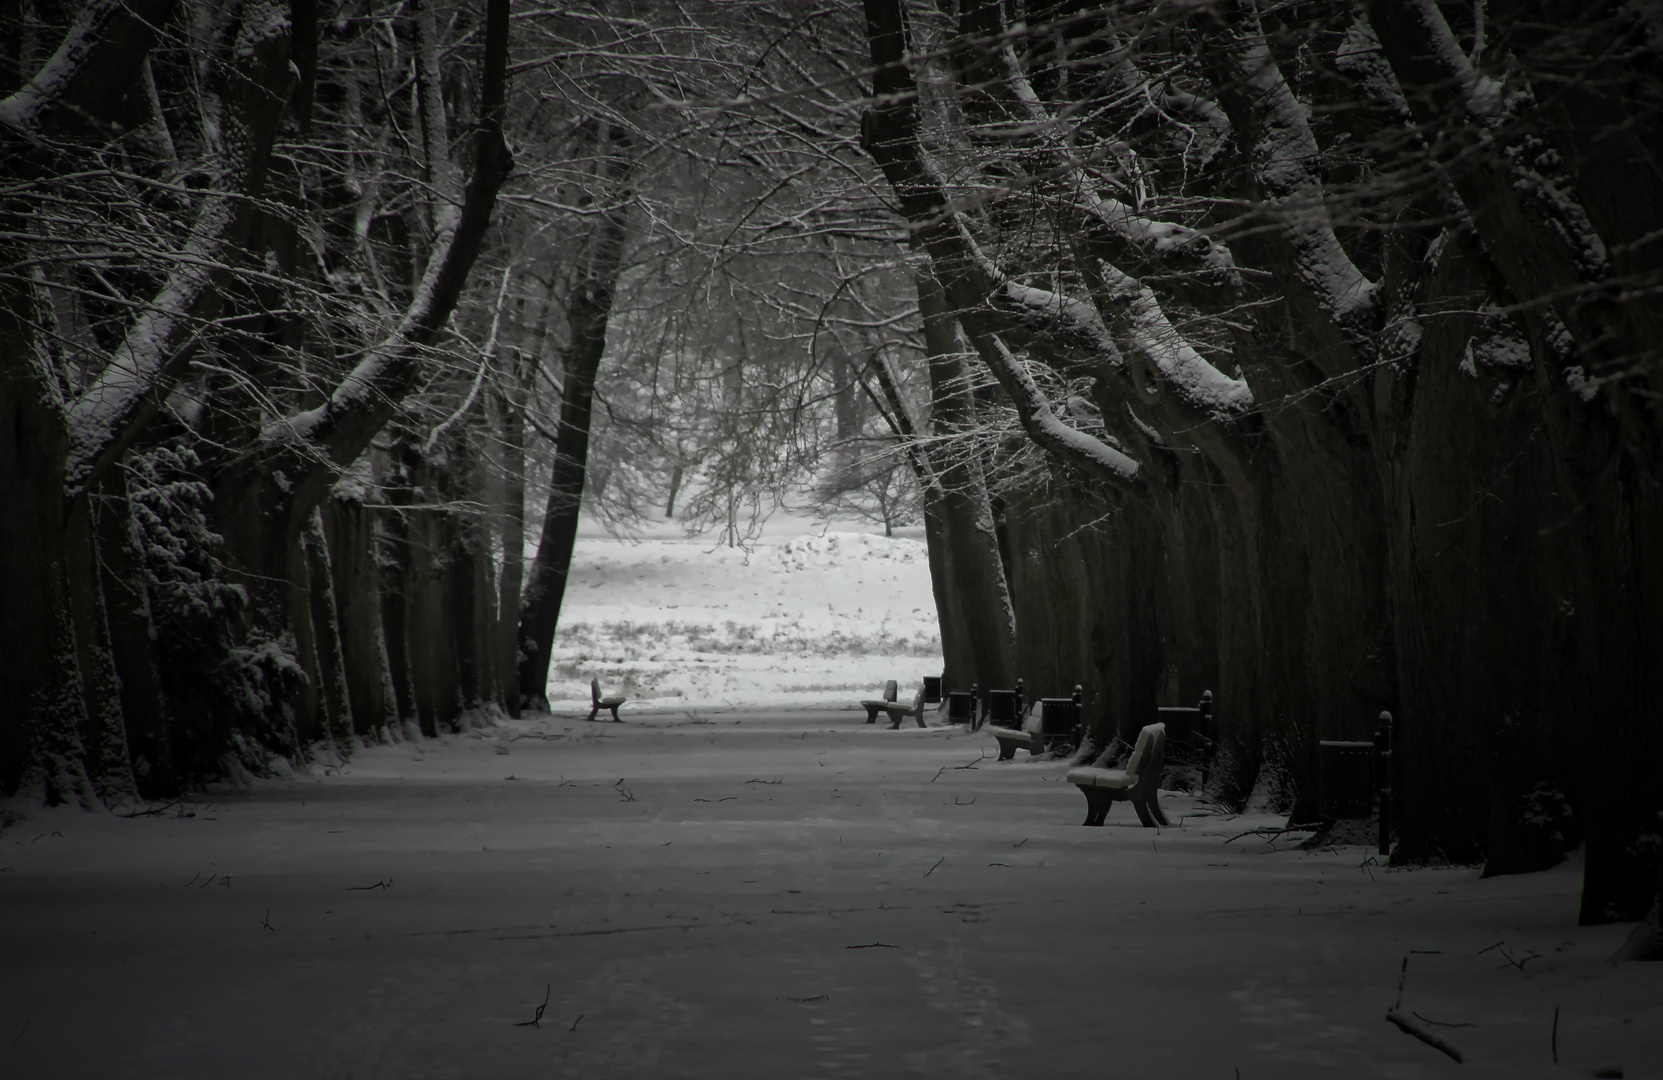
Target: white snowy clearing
766, 893
800, 620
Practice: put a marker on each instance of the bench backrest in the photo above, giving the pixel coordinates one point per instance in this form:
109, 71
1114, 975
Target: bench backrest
890, 690
594, 691
1148, 754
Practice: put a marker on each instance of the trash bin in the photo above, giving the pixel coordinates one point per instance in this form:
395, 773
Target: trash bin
1345, 780
1059, 719
932, 689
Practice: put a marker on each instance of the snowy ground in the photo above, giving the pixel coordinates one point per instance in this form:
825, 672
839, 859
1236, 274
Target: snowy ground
766, 895
805, 618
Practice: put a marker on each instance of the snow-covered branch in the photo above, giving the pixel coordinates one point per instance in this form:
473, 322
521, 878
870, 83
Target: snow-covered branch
1040, 418
138, 366
107, 37
1286, 164
1175, 358
1146, 234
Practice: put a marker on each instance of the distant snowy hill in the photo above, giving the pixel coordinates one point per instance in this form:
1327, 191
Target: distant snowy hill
808, 621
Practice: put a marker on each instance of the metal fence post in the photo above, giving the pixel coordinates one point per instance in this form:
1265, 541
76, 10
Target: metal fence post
1384, 739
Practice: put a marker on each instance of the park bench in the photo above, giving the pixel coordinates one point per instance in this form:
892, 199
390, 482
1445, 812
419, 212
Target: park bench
873, 708
1138, 783
597, 703
1050, 723
898, 712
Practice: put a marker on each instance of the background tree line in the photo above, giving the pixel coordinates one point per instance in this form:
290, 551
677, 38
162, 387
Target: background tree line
1303, 354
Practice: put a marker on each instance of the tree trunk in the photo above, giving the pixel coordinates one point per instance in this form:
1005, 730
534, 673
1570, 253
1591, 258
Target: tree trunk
512, 578
326, 633
105, 735
986, 619
127, 601
350, 527
33, 671
587, 313
393, 560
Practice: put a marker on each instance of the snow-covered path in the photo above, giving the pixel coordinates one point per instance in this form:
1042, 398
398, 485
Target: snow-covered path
751, 895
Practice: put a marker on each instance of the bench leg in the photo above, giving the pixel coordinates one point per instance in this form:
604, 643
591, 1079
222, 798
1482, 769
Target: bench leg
1156, 812
872, 713
1091, 807
1007, 750
593, 711
1144, 816
896, 719
919, 716
615, 719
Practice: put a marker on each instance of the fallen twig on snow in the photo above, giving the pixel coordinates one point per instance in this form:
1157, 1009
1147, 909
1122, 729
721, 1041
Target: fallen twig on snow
1507, 954
1439, 1023
153, 811
1268, 833
874, 945
385, 883
938, 862
536, 1020
1409, 1027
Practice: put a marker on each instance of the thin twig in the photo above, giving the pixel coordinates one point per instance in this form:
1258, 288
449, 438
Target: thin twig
1556, 1034
1409, 1027
575, 1023
536, 1020
1269, 832
938, 862
154, 811
874, 945
1440, 1023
